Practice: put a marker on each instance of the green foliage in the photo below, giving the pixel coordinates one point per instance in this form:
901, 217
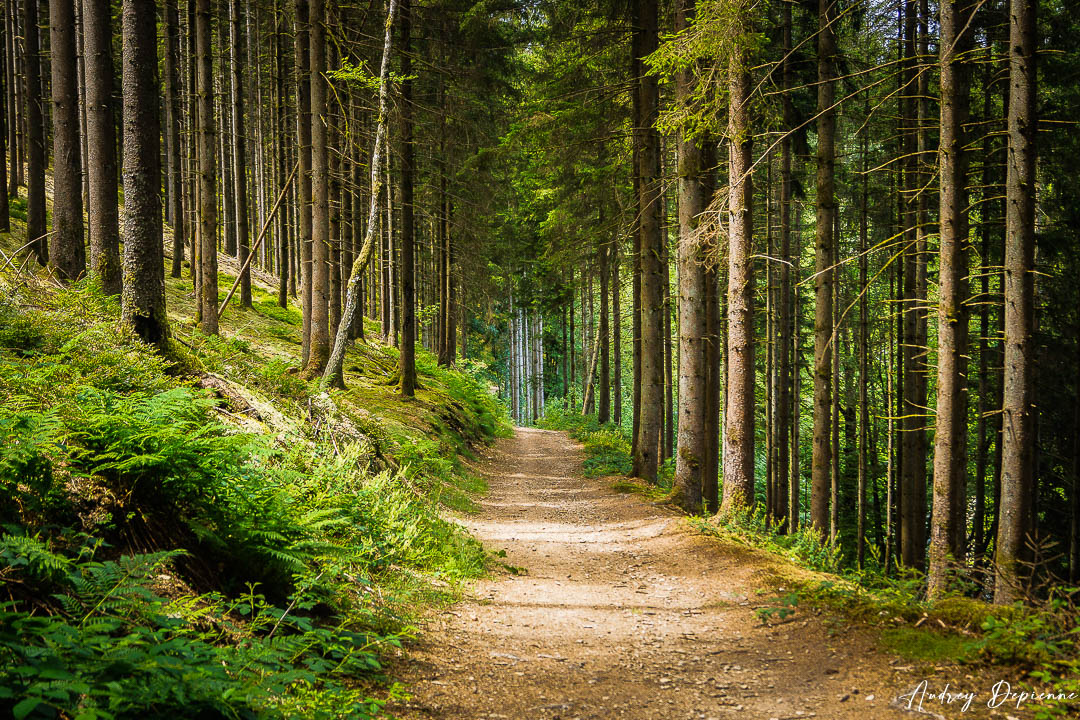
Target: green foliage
806, 547
112, 647
299, 530
784, 606
607, 449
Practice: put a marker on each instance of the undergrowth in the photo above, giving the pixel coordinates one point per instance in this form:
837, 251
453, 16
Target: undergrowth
607, 447
209, 535
1038, 639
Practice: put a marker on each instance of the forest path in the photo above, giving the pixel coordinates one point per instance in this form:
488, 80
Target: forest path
622, 611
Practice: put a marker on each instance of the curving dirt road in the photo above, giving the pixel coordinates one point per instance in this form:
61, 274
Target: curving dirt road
622, 612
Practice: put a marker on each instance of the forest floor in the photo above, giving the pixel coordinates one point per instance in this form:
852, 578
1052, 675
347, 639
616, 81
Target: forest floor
612, 606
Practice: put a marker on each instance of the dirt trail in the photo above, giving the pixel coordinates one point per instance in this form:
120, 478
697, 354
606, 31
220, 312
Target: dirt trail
622, 611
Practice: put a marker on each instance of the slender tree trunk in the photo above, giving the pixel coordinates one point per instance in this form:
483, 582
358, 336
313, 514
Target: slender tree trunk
333, 259
739, 409
239, 153
143, 298
864, 354
689, 487
948, 526
823, 266
785, 476
67, 253
12, 80
651, 406
303, 138
35, 135
407, 357
320, 194
604, 389
208, 285
101, 146
333, 374
1018, 417
174, 179
616, 329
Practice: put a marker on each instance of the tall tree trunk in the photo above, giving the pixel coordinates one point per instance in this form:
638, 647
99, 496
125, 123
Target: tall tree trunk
239, 152
864, 355
5, 79
35, 134
651, 406
948, 526
67, 253
785, 477
693, 189
739, 409
604, 389
208, 285
407, 356
1018, 418
101, 146
406, 381
616, 330
174, 179
12, 80
143, 298
320, 196
824, 345
303, 137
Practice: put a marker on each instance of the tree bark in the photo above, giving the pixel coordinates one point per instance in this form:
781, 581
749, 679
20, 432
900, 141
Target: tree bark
303, 138
407, 355
689, 486
208, 280
1018, 418
320, 196
239, 152
739, 409
174, 178
67, 253
651, 405
948, 525
823, 266
143, 298
101, 146
35, 135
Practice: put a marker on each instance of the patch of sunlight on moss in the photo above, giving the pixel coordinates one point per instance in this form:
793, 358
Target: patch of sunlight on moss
918, 644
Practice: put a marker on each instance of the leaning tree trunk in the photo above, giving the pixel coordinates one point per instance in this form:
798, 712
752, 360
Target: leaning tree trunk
101, 146
334, 374
67, 253
948, 526
143, 298
1018, 419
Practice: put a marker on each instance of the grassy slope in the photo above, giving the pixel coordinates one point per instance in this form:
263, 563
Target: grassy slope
246, 545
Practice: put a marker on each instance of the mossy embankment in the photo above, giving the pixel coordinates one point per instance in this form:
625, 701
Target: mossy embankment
206, 534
